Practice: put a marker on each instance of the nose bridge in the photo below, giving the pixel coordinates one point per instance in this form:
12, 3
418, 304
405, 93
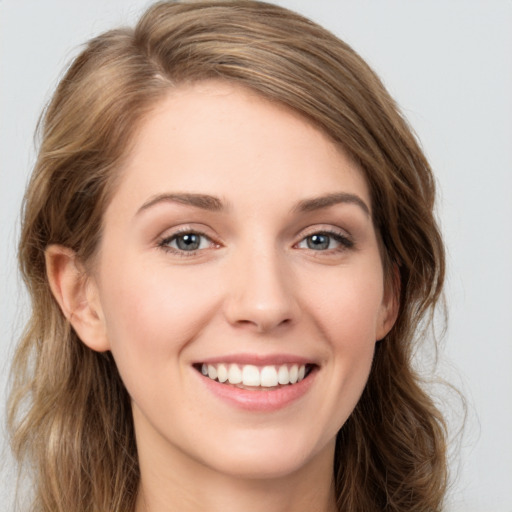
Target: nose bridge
260, 291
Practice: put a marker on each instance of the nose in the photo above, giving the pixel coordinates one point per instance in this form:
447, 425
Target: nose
260, 295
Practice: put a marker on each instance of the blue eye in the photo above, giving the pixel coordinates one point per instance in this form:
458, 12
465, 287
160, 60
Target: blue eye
186, 242
318, 242
325, 241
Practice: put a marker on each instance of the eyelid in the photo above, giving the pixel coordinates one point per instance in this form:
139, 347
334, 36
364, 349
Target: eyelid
345, 239
339, 234
327, 229
169, 235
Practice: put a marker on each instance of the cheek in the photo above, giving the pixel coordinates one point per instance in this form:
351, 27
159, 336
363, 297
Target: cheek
348, 313
150, 318
349, 306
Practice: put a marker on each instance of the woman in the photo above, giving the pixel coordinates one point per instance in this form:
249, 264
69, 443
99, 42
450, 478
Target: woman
230, 245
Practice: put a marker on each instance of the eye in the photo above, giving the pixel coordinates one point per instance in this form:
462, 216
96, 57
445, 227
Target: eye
324, 241
187, 241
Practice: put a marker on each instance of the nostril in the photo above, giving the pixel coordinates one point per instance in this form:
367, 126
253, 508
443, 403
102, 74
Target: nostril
263, 325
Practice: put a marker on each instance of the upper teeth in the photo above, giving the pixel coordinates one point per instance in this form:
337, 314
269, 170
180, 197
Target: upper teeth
251, 375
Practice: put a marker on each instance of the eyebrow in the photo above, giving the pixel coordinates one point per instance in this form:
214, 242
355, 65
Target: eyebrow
317, 203
203, 201
214, 204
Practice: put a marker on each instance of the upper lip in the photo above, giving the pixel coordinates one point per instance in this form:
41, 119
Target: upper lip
258, 359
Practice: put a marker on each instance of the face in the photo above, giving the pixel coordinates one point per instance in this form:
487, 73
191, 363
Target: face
239, 284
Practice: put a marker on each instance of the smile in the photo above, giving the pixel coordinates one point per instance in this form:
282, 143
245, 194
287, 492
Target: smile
258, 383
252, 376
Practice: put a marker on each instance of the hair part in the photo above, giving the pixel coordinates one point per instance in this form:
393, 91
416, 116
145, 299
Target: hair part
70, 415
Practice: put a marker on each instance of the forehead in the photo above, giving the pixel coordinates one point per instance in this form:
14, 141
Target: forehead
222, 139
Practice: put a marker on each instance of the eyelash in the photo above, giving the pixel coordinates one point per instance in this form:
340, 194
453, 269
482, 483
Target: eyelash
344, 241
164, 242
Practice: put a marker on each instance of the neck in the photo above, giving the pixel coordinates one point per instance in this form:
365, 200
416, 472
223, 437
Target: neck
191, 487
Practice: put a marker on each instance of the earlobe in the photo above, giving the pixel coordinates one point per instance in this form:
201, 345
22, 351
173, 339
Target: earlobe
388, 316
390, 306
77, 295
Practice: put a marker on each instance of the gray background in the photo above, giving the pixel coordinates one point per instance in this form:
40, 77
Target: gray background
449, 64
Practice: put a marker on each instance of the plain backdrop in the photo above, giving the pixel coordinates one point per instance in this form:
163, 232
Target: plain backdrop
449, 65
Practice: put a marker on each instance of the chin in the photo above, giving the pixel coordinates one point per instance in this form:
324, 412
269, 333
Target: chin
256, 467
269, 456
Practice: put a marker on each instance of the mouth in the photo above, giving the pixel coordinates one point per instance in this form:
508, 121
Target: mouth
256, 378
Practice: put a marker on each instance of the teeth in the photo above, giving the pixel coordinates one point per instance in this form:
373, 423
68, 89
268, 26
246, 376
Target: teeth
294, 374
212, 372
269, 376
254, 376
283, 375
250, 376
222, 373
234, 374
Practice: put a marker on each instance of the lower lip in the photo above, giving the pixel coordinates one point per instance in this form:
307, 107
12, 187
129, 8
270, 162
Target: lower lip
259, 400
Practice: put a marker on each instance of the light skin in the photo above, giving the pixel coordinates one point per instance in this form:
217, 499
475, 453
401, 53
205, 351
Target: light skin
285, 264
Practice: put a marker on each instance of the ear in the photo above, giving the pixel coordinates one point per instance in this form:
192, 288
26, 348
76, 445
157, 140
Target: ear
390, 305
77, 296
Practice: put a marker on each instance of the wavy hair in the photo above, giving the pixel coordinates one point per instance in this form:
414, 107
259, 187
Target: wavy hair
69, 412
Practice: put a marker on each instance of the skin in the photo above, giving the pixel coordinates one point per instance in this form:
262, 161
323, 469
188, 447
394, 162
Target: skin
254, 286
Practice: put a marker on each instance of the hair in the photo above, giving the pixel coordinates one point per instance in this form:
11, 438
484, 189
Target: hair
69, 412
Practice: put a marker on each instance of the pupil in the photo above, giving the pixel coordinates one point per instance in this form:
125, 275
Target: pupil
188, 242
318, 242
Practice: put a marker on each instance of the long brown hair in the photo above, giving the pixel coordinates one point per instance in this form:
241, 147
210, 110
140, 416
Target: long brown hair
69, 413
